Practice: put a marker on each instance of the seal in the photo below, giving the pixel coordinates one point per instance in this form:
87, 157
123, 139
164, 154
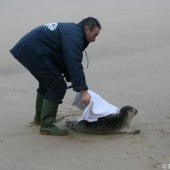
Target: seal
113, 123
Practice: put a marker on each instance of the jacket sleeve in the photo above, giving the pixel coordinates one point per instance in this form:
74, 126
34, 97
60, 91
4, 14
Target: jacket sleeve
72, 53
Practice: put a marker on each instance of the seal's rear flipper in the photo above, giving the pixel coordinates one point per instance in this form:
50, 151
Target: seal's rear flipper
69, 124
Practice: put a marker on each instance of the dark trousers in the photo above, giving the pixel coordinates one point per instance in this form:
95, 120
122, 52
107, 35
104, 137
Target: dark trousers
51, 82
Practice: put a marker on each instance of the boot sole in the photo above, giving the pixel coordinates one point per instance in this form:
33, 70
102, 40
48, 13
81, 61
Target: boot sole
34, 123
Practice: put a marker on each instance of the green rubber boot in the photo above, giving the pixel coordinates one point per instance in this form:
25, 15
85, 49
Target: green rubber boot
48, 115
38, 105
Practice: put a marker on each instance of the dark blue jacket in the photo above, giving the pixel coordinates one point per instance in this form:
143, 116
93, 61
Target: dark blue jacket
61, 43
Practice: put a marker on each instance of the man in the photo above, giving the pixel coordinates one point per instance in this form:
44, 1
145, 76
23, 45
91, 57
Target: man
53, 54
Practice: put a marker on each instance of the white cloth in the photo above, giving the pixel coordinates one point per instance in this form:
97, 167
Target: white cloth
97, 108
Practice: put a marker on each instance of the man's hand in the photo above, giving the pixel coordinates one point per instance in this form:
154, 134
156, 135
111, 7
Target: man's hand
85, 97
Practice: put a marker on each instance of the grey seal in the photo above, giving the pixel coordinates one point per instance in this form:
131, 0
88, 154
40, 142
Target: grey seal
113, 123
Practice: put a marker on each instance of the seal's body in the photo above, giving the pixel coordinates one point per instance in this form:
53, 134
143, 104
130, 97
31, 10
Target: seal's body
118, 123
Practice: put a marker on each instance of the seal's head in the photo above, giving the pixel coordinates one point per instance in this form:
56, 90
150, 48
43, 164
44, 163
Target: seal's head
128, 112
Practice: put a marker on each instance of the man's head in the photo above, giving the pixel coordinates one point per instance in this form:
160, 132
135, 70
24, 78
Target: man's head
92, 28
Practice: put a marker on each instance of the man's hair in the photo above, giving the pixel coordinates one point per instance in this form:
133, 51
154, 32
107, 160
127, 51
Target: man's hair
91, 22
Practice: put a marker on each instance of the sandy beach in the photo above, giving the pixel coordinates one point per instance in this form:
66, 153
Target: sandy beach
129, 65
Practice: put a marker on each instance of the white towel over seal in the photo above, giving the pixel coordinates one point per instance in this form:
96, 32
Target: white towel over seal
97, 108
